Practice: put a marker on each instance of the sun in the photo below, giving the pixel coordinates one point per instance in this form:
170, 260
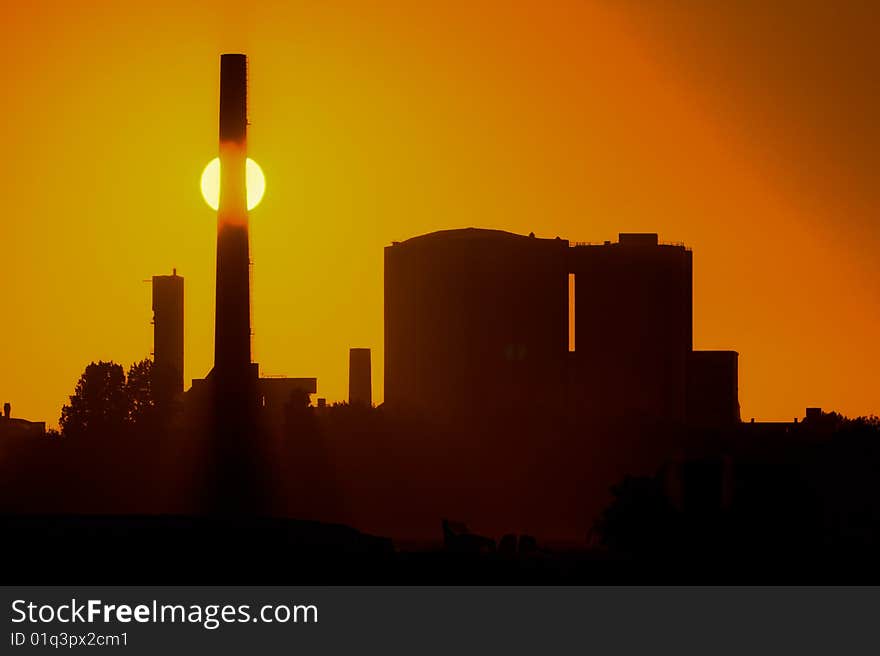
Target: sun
256, 183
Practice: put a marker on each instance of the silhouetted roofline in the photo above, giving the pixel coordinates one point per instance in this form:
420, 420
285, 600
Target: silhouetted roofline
456, 234
633, 240
625, 239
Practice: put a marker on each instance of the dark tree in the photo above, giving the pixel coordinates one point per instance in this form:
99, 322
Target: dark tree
105, 403
639, 519
139, 391
99, 404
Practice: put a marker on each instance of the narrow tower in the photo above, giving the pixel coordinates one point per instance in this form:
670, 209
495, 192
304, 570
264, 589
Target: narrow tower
167, 337
238, 469
359, 379
232, 328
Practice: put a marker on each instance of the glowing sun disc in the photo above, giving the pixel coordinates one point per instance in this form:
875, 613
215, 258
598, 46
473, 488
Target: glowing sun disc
256, 183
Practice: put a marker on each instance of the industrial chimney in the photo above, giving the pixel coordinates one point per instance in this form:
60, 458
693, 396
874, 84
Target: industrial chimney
237, 465
360, 391
232, 327
167, 337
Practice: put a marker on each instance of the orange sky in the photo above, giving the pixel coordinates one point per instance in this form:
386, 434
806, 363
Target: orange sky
749, 133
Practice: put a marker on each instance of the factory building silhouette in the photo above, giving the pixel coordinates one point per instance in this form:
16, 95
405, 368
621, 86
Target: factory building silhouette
525, 378
475, 318
496, 335
633, 328
484, 320
504, 342
482, 328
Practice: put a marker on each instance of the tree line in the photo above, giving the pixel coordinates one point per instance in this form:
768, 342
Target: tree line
106, 400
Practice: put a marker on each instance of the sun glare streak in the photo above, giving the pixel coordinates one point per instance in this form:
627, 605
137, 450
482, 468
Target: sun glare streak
256, 183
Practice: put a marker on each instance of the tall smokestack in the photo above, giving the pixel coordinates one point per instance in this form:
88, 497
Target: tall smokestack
237, 473
232, 329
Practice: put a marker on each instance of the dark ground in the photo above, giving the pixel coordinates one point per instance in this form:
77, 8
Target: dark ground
162, 550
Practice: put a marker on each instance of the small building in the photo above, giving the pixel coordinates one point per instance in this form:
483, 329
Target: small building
713, 389
360, 386
276, 393
11, 427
